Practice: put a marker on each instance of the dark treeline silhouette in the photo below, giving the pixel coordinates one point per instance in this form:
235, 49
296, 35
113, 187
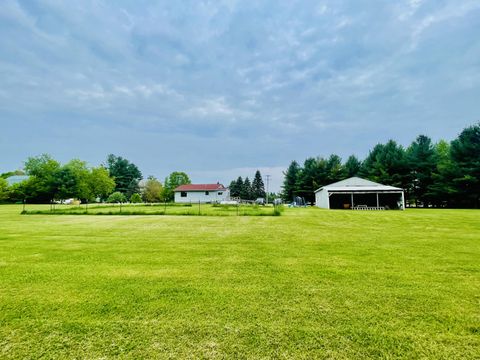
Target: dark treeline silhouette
247, 190
440, 175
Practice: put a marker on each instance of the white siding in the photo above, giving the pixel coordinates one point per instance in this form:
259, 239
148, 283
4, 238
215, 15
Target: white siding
322, 200
196, 196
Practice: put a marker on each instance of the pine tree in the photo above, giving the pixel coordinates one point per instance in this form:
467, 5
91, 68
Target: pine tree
352, 166
238, 187
246, 193
258, 187
290, 182
421, 162
465, 155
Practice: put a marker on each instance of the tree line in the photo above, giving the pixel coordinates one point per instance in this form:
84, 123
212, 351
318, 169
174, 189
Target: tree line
438, 174
118, 180
248, 190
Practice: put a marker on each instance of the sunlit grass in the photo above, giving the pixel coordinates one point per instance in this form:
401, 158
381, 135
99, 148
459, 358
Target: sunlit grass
309, 284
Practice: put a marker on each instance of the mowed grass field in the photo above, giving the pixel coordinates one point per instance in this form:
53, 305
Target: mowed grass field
308, 284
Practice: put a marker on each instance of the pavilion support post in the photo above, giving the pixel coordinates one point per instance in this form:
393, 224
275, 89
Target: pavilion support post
403, 200
378, 204
351, 199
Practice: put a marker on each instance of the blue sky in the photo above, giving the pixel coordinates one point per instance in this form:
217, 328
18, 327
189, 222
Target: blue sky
220, 88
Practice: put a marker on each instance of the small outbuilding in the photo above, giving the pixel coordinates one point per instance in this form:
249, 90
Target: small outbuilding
204, 193
359, 194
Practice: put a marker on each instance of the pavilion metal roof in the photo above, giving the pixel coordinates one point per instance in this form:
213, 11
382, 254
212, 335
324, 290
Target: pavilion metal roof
357, 184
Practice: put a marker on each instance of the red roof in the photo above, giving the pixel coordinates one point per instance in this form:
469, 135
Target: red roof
200, 187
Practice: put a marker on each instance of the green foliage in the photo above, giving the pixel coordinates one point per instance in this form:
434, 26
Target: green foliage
173, 181
246, 191
3, 190
117, 197
73, 180
126, 174
153, 191
290, 182
258, 187
42, 186
421, 163
352, 166
236, 187
12, 173
465, 155
386, 164
100, 183
135, 198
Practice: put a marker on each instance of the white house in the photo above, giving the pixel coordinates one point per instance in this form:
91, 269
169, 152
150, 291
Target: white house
204, 193
357, 193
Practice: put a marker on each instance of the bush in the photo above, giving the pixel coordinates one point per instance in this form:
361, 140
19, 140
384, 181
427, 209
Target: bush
135, 198
116, 197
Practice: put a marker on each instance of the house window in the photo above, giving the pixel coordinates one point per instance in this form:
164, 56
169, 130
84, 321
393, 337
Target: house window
207, 192
220, 193
183, 194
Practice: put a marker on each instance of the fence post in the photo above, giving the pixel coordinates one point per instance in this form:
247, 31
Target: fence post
198, 207
120, 207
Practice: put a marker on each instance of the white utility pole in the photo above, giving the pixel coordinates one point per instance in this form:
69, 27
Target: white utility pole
268, 181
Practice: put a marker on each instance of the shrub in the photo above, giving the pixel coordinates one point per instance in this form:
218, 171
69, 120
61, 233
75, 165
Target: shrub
117, 197
135, 198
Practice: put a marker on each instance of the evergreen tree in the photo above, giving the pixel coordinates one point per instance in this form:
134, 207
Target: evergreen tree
334, 168
352, 166
246, 192
290, 181
421, 162
386, 164
239, 187
310, 178
258, 187
236, 187
465, 155
441, 189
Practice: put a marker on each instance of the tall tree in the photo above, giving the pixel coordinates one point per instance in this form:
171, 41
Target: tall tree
421, 162
246, 192
153, 190
465, 154
126, 175
441, 190
3, 189
386, 164
237, 187
174, 180
290, 181
72, 181
352, 166
335, 171
258, 187
100, 183
42, 186
310, 178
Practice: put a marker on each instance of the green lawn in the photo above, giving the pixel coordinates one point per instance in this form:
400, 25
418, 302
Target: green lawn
309, 284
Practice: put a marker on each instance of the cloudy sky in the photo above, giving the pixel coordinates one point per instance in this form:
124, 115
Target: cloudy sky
220, 88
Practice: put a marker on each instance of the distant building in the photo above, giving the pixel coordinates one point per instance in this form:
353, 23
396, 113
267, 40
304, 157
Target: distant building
15, 179
359, 194
204, 193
